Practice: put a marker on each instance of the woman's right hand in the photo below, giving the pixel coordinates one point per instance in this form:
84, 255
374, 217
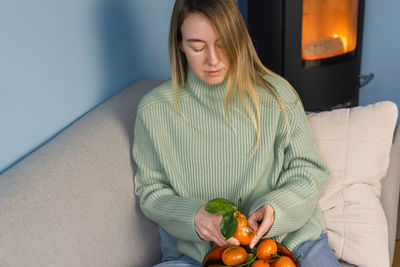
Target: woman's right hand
207, 226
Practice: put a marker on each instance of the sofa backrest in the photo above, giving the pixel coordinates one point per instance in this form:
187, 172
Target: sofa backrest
71, 202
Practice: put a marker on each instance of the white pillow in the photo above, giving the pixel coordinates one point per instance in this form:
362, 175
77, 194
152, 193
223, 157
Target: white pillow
355, 143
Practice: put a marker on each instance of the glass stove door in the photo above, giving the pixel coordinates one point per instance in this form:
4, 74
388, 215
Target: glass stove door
329, 28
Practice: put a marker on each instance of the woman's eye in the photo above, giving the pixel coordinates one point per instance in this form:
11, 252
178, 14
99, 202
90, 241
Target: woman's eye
197, 49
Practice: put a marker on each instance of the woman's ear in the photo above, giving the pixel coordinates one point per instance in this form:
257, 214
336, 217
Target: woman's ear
181, 47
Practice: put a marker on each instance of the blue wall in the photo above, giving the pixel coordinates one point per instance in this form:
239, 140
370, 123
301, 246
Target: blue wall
59, 59
381, 52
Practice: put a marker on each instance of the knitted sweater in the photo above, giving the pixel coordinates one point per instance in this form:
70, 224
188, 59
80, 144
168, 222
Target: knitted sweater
181, 166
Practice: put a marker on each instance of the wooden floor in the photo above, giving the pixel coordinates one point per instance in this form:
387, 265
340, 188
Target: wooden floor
396, 258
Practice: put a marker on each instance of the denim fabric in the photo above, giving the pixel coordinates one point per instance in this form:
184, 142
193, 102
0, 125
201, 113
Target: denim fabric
316, 253
168, 245
183, 261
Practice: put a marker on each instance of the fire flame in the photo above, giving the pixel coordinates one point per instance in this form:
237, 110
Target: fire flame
329, 28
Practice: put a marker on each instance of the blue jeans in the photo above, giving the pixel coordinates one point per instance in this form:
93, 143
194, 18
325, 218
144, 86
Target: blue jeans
183, 261
314, 253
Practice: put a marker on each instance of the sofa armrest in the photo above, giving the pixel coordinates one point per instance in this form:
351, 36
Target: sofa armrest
390, 191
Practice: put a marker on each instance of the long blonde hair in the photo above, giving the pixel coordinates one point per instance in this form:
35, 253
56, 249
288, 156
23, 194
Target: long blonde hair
246, 70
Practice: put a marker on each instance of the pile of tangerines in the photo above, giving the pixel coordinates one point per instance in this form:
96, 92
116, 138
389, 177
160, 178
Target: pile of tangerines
267, 253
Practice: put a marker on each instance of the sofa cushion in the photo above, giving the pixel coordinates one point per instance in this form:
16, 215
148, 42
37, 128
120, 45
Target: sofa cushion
355, 143
71, 202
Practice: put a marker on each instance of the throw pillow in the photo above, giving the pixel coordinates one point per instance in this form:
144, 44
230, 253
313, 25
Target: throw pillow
355, 143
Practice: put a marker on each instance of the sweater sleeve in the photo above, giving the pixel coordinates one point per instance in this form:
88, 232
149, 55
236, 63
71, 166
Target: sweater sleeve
300, 181
158, 200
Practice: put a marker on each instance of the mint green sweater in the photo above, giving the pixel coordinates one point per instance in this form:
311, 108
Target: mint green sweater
181, 167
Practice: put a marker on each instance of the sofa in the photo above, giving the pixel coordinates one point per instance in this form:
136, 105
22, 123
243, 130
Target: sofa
71, 202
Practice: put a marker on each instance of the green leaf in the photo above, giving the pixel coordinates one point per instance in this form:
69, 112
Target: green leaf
248, 263
220, 206
228, 226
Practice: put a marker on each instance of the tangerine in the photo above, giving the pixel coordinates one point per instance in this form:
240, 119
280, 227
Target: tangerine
266, 248
260, 263
243, 234
284, 261
233, 256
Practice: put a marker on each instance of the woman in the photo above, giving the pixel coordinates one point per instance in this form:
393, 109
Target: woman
225, 126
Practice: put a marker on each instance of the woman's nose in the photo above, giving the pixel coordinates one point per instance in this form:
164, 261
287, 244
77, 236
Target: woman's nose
212, 57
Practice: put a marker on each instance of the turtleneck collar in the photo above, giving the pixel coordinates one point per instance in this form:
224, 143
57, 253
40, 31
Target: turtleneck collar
206, 93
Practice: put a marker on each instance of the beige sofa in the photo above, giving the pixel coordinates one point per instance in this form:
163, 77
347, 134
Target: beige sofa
71, 202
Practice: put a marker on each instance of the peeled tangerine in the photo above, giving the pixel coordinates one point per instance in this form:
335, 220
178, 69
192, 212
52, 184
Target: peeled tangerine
244, 234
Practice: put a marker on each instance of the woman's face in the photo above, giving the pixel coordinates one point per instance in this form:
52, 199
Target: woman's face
203, 52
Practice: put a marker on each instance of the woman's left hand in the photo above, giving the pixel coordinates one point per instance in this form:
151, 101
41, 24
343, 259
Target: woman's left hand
265, 214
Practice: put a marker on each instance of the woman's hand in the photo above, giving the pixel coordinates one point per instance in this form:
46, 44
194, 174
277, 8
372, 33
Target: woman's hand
265, 214
207, 226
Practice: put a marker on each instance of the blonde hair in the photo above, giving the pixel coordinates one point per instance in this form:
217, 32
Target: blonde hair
246, 70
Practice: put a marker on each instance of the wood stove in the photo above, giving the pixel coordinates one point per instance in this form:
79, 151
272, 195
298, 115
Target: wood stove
315, 45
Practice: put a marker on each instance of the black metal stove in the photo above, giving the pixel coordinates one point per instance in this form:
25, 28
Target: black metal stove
315, 45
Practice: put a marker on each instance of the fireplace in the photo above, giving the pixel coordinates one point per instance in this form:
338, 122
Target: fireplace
315, 45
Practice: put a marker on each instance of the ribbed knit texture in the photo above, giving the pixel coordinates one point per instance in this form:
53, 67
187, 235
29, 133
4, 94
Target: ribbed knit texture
180, 167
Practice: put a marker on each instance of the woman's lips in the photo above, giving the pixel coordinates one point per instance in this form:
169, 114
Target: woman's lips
213, 73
